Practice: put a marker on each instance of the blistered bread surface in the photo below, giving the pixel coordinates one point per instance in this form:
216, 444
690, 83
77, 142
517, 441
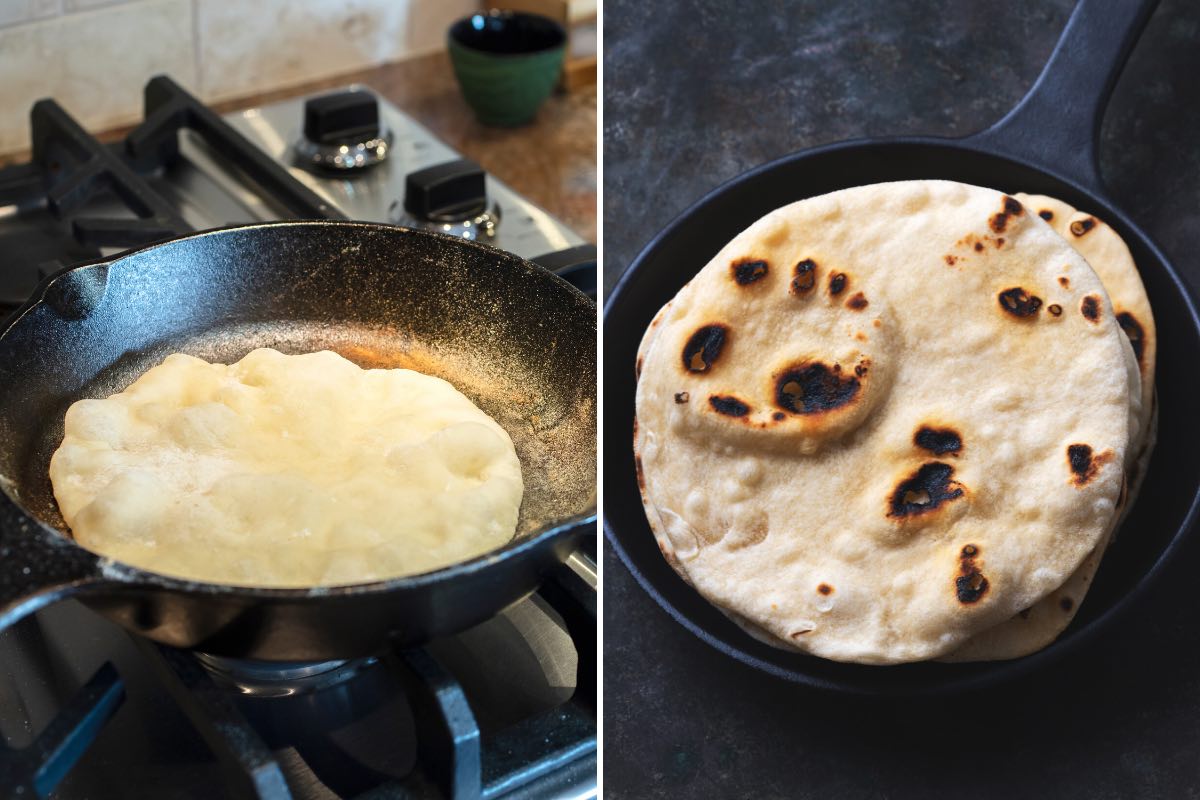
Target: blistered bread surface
885, 419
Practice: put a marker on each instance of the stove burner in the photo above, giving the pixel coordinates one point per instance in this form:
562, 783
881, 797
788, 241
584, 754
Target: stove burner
280, 679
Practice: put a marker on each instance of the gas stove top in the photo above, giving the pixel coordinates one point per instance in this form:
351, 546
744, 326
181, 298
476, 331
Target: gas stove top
185, 169
505, 709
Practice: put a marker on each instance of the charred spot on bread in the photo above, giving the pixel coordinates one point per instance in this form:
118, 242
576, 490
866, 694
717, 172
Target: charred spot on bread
1079, 456
704, 347
804, 277
1081, 226
1084, 463
1134, 332
1090, 308
857, 302
926, 490
970, 584
938, 441
748, 270
837, 283
1019, 303
1010, 207
813, 387
728, 405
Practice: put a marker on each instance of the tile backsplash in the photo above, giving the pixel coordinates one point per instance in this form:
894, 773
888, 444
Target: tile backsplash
94, 56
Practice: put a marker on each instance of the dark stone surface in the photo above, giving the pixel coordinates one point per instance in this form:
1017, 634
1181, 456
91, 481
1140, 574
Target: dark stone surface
698, 92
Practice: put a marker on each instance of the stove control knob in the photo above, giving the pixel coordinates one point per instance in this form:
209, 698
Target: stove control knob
450, 197
342, 131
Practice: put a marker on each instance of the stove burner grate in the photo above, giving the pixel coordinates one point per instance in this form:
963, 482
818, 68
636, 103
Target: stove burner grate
47, 205
547, 754
35, 770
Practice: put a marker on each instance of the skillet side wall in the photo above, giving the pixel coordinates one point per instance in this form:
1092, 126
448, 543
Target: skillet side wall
517, 341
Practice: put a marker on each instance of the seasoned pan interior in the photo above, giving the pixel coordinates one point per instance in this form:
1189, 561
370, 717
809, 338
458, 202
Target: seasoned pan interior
1154, 524
518, 342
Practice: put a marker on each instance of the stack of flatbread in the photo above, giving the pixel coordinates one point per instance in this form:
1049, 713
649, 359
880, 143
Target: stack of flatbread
899, 422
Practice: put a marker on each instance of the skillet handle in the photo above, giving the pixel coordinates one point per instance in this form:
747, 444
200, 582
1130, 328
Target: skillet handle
1057, 124
38, 568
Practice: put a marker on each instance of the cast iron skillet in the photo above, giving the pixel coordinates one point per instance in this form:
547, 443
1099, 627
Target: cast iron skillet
1046, 145
517, 340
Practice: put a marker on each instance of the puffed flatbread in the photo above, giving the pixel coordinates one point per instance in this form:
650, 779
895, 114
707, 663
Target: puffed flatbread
286, 470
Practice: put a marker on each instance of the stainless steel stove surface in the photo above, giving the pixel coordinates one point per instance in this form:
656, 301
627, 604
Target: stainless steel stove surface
506, 709
186, 169
378, 194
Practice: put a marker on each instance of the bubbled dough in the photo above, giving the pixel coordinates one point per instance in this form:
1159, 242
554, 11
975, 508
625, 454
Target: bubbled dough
286, 470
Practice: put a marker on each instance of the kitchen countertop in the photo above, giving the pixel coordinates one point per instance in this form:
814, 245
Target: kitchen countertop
695, 95
551, 161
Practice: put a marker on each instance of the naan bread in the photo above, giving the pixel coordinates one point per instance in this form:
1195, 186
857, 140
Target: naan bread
286, 471
877, 423
1109, 256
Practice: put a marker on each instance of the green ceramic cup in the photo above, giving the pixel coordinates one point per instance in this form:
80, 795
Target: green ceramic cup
506, 63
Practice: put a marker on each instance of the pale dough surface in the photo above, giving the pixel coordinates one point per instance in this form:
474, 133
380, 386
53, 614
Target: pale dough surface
1106, 253
286, 470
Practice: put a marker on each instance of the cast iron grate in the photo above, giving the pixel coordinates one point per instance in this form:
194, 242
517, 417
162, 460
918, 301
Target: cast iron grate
169, 109
48, 222
547, 754
35, 770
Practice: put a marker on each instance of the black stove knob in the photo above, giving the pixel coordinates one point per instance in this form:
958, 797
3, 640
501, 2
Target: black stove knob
348, 117
454, 190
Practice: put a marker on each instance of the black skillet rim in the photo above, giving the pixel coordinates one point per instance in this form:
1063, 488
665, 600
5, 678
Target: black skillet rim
110, 570
996, 671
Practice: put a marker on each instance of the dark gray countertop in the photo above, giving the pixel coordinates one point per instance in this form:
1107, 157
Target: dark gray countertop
698, 92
